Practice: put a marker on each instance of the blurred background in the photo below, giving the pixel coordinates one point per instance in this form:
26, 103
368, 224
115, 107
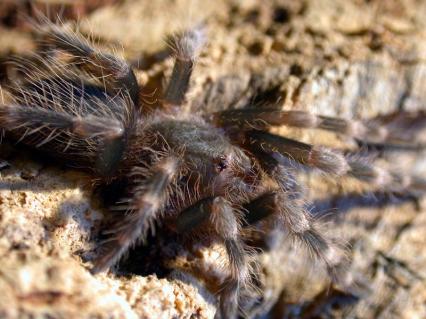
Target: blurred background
350, 58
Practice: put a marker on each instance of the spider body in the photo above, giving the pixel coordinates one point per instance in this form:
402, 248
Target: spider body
218, 174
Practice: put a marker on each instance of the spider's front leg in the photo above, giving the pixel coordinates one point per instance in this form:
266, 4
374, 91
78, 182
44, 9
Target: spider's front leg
322, 158
284, 208
333, 162
297, 222
401, 129
219, 216
142, 209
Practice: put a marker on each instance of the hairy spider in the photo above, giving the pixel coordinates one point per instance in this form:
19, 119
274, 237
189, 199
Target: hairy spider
218, 175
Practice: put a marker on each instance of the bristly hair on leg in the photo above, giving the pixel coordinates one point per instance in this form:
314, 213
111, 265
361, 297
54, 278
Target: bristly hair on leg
186, 48
142, 211
188, 44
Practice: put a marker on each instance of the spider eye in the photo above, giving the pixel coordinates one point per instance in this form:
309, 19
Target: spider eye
221, 164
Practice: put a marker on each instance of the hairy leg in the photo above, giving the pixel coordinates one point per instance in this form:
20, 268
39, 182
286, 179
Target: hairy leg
332, 161
399, 128
14, 117
220, 216
324, 159
56, 88
64, 133
186, 49
117, 74
297, 222
142, 210
283, 207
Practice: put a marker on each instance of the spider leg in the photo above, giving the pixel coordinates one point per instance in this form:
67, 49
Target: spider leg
186, 48
386, 179
398, 128
117, 73
333, 162
326, 160
266, 145
14, 117
283, 205
297, 222
283, 175
143, 209
59, 130
217, 213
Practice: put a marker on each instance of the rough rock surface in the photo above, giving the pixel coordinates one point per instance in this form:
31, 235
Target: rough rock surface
352, 58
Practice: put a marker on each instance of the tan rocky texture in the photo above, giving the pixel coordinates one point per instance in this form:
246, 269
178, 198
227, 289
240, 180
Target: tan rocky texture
354, 59
46, 224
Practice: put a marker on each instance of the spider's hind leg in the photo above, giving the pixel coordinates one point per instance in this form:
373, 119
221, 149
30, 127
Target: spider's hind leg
63, 133
116, 73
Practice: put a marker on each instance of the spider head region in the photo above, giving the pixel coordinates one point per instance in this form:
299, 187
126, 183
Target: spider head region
213, 163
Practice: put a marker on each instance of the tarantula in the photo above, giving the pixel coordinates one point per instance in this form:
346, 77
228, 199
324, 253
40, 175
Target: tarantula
218, 174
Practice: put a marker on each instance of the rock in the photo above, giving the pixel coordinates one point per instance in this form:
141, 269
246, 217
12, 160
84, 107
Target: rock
346, 58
